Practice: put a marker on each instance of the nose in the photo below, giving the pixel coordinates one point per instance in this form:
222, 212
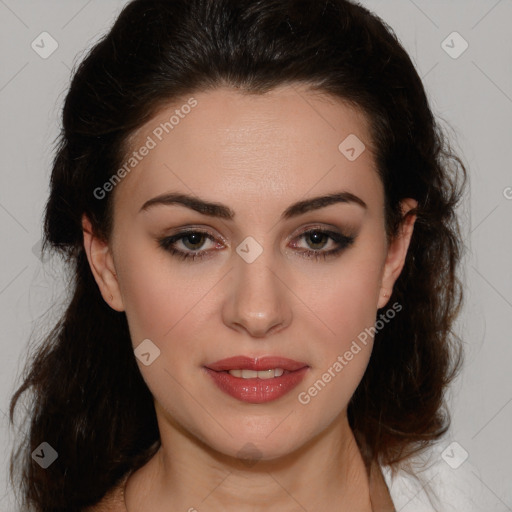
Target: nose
258, 302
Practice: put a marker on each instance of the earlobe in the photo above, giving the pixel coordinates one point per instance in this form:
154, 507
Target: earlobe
102, 266
397, 252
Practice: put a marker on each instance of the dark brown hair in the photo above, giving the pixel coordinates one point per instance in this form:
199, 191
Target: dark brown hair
88, 399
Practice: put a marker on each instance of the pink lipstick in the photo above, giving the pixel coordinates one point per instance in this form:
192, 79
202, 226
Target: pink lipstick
256, 380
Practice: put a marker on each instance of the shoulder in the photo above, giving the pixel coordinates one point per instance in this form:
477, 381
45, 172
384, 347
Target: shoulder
113, 501
440, 485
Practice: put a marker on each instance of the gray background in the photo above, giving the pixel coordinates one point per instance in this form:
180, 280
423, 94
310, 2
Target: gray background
472, 93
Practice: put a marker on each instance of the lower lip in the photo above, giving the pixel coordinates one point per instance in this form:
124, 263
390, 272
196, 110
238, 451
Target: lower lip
257, 391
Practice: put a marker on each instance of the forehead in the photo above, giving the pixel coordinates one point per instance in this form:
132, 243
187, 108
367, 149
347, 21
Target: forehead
243, 149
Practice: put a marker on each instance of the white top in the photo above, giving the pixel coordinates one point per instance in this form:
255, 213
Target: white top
450, 479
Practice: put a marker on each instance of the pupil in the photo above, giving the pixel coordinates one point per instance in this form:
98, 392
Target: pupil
194, 238
316, 237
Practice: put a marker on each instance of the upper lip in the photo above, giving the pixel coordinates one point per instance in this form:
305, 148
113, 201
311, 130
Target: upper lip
255, 363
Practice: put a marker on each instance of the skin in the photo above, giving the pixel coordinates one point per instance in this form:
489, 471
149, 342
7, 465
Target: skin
257, 155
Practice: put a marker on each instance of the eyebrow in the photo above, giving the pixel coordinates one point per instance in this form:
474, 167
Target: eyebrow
224, 212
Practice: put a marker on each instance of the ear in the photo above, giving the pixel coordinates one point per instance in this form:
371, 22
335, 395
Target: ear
101, 262
397, 251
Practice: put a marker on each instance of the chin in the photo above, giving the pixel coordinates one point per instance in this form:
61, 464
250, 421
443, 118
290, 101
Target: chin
251, 445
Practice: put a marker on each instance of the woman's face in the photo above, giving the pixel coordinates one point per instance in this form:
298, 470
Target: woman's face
271, 270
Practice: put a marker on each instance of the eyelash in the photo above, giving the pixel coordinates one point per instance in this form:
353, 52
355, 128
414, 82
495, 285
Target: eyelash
343, 242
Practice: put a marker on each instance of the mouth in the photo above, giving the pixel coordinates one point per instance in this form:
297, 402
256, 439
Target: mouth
271, 373
256, 380
257, 364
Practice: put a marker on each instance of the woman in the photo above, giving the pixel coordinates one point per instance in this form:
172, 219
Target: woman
259, 210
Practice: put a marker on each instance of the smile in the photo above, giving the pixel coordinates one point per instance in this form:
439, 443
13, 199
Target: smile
256, 380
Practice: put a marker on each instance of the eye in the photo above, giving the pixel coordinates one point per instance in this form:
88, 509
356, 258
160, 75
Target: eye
318, 239
193, 240
190, 240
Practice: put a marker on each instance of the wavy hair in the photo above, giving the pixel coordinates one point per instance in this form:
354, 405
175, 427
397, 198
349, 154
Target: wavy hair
87, 397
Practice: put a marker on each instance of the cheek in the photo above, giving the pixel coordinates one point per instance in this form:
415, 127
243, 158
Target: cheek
161, 298
347, 298
345, 301
342, 357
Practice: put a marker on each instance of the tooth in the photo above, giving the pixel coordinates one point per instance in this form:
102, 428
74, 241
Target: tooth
266, 374
262, 374
249, 374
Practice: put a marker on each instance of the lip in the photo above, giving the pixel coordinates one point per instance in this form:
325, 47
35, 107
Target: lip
255, 390
257, 364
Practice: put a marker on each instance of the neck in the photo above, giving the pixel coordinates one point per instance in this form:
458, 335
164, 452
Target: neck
185, 474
